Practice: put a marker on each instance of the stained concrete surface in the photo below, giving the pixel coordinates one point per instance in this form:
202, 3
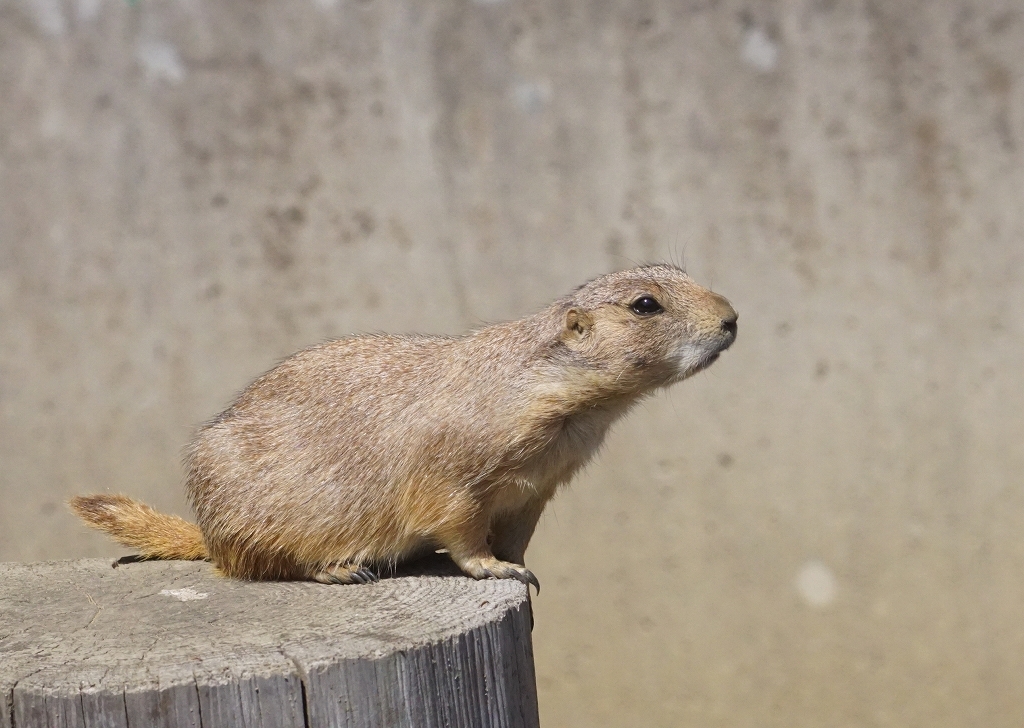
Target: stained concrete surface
823, 529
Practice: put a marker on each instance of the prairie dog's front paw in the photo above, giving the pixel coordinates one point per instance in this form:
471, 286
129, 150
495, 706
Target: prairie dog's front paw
491, 568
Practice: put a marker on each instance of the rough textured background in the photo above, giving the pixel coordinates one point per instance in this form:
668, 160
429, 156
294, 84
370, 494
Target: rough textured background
827, 528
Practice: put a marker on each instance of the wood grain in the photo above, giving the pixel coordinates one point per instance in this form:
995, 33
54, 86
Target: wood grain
173, 644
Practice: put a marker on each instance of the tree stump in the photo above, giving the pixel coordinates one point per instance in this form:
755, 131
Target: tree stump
173, 644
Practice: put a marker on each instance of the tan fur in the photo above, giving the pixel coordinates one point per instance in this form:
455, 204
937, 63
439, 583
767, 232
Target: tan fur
371, 450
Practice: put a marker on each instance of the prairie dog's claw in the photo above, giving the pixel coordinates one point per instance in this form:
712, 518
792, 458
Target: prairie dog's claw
526, 576
363, 575
345, 574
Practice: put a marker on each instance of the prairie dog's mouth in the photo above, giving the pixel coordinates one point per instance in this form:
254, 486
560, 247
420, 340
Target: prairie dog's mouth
704, 363
710, 359
693, 358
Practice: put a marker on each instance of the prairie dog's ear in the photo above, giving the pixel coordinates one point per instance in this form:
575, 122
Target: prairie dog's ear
578, 324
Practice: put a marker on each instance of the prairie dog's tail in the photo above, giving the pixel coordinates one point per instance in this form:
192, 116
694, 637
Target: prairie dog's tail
132, 524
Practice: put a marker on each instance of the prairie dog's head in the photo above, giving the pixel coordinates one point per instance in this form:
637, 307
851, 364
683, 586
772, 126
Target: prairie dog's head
647, 327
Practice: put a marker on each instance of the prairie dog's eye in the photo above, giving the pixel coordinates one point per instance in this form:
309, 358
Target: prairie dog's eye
645, 306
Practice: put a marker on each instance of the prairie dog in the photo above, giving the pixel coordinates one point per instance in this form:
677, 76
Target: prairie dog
368, 451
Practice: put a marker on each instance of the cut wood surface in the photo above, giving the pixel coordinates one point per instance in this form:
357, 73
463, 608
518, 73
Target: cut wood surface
173, 644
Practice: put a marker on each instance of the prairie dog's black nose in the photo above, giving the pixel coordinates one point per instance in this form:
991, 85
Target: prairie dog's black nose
727, 314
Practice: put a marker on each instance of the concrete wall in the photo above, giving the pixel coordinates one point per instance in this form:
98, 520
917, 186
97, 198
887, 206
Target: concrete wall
827, 528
